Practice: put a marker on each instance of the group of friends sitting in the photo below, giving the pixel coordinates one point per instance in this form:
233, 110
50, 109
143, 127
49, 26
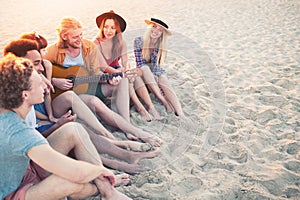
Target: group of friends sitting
47, 153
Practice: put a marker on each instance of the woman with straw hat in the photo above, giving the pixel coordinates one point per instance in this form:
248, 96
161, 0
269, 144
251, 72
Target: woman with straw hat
150, 54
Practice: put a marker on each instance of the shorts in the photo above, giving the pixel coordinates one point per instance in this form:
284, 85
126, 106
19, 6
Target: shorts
43, 127
34, 174
95, 89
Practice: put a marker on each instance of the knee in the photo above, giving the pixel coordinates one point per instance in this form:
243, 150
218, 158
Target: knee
74, 129
124, 82
68, 96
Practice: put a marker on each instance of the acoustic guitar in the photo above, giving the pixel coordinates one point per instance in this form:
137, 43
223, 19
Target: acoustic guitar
81, 78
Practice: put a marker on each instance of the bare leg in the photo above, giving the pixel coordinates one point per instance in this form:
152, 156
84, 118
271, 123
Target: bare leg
152, 84
170, 94
122, 166
142, 91
115, 120
139, 106
69, 100
132, 145
120, 97
66, 188
103, 145
72, 136
107, 193
120, 100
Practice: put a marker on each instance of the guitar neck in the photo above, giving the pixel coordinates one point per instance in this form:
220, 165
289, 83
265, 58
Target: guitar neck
96, 78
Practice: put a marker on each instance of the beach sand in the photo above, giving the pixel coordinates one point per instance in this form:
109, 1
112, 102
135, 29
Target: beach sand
235, 66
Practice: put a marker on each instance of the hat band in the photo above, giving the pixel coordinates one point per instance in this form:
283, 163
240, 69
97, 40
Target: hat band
160, 22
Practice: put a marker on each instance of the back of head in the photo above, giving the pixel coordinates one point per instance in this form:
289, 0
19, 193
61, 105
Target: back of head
42, 42
20, 47
15, 76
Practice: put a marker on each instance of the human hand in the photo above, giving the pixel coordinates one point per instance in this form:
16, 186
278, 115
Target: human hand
62, 83
68, 117
48, 84
115, 80
107, 175
53, 119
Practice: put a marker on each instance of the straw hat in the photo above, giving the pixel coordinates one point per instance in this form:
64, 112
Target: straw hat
111, 14
160, 23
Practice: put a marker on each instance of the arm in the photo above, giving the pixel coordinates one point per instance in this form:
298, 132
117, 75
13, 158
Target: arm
68, 117
138, 44
55, 55
104, 67
65, 167
48, 100
124, 57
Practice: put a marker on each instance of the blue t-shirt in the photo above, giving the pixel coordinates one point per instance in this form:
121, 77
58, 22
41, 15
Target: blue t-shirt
16, 139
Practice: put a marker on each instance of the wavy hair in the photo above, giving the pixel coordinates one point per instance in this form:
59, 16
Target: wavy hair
66, 24
15, 76
42, 42
117, 39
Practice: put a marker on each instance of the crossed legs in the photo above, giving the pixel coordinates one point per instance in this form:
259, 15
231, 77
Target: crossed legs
72, 136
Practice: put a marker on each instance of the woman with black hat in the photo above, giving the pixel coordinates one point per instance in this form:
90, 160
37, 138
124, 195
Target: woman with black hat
150, 54
114, 49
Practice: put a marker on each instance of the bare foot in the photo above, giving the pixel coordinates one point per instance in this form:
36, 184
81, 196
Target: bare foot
154, 112
144, 113
153, 140
122, 180
168, 107
137, 146
108, 192
131, 137
137, 156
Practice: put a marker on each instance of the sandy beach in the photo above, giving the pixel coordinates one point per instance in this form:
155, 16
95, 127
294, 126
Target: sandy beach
235, 65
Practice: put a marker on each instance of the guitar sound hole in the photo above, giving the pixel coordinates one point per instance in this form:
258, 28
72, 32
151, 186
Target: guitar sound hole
72, 78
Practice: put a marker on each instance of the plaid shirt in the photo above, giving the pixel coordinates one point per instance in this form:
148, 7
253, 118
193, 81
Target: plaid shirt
140, 61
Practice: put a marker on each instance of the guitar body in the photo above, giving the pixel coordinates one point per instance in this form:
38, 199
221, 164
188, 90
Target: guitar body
70, 73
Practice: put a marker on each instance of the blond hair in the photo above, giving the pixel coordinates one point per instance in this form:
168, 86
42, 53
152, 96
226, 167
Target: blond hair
161, 45
66, 24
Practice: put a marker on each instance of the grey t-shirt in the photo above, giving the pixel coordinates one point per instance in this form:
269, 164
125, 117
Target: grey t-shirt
16, 139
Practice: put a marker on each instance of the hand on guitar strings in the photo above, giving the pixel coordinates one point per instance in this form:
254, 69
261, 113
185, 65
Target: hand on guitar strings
115, 80
62, 83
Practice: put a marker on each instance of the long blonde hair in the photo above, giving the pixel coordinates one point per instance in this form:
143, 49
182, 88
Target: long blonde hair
161, 45
117, 40
66, 24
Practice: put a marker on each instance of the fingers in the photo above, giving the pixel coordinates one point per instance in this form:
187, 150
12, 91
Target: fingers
115, 80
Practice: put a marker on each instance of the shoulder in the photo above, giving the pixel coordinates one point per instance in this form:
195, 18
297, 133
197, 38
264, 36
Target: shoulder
138, 41
47, 63
52, 47
88, 43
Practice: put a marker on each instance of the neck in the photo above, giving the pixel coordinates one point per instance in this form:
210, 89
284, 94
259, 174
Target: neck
23, 110
73, 52
153, 43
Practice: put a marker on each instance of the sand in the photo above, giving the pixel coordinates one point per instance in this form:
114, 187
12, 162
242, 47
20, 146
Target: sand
235, 67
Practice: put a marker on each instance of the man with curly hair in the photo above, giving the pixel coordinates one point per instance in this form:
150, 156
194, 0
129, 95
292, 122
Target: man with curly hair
26, 154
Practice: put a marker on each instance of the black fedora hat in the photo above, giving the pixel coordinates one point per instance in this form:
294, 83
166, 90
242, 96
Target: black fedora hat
111, 14
160, 23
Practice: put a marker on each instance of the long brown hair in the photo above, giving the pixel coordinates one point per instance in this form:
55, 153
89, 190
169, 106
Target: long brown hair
117, 39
